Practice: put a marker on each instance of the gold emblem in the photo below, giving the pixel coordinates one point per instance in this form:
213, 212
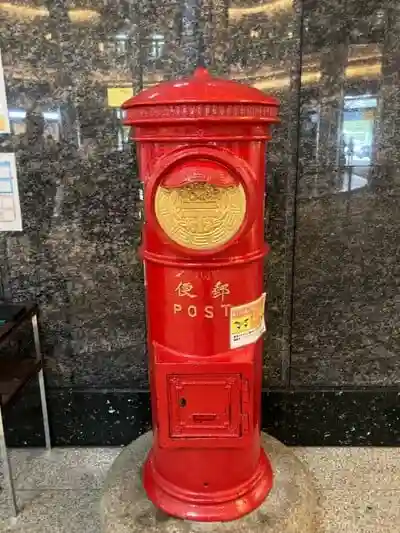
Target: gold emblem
200, 216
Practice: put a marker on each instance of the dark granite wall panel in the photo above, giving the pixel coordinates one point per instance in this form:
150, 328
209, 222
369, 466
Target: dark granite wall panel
79, 191
347, 277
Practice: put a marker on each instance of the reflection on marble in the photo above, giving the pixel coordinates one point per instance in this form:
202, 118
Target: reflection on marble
79, 191
346, 305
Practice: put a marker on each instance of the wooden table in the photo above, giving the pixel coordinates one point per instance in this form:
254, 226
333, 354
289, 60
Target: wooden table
15, 373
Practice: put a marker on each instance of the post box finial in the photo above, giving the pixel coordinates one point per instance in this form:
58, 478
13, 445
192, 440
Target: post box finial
201, 73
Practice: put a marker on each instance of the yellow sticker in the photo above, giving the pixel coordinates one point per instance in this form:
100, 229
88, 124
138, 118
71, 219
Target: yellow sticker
247, 322
116, 96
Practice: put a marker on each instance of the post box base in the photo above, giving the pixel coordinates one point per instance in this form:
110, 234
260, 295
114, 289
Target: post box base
221, 507
290, 507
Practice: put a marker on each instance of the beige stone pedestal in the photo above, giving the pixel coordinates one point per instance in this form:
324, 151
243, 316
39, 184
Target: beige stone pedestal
289, 508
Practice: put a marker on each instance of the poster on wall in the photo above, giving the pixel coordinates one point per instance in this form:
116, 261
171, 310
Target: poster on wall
10, 210
4, 122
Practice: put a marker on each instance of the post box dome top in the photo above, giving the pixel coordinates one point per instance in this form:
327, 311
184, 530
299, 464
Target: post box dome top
200, 97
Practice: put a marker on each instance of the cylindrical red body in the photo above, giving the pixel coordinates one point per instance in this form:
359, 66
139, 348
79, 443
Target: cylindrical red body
201, 151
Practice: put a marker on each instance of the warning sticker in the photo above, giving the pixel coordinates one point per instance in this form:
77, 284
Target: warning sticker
247, 322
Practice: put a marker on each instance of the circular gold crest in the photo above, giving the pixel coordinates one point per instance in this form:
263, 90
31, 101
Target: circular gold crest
200, 216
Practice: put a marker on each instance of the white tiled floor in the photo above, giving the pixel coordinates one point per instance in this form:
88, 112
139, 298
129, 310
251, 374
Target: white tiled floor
60, 491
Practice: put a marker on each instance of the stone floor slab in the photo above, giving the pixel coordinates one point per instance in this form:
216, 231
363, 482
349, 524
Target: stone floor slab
67, 468
55, 511
365, 511
353, 467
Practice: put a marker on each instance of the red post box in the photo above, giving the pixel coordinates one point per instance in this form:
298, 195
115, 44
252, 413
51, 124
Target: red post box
201, 152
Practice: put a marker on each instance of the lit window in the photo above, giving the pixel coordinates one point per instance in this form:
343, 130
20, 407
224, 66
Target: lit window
157, 45
120, 42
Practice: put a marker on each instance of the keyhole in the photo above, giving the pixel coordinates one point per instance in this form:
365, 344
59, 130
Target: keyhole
182, 402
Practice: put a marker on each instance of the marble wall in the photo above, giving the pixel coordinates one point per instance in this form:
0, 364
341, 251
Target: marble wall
346, 275
333, 176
